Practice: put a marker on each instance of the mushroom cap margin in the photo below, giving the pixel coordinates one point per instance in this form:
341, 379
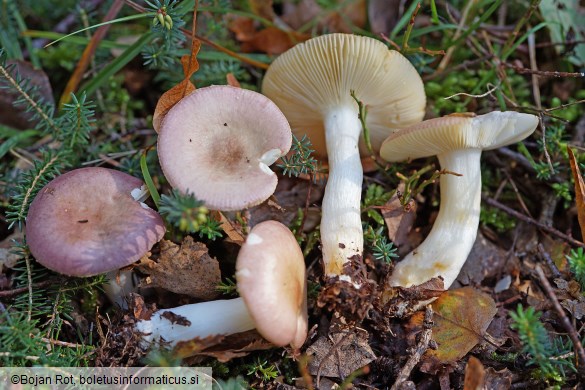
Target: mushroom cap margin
317, 75
270, 273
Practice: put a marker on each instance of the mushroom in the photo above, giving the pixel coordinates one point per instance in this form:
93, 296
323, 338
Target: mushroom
218, 143
458, 142
90, 221
312, 84
270, 273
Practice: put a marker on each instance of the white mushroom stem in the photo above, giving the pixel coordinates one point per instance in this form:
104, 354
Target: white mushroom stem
447, 246
341, 225
222, 317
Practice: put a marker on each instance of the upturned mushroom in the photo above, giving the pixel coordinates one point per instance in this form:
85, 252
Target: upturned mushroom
218, 143
90, 221
458, 142
312, 84
270, 273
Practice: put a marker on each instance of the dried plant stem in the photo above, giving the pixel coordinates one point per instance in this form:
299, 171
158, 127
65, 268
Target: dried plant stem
564, 319
30, 289
549, 261
531, 221
420, 349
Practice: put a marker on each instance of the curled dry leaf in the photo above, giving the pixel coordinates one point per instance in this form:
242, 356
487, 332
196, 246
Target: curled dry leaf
179, 91
186, 269
461, 319
579, 191
474, 375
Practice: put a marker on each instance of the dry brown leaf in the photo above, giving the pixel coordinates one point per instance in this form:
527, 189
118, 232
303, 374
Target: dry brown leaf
298, 13
223, 348
461, 319
579, 192
229, 229
179, 91
18, 116
270, 40
399, 220
340, 354
474, 374
186, 269
498, 379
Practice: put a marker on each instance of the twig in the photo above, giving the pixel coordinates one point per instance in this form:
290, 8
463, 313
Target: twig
420, 349
16, 291
542, 73
549, 261
564, 319
474, 96
531, 221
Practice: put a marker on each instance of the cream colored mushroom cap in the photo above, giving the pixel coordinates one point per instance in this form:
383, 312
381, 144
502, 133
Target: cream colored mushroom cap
318, 75
270, 273
439, 135
217, 144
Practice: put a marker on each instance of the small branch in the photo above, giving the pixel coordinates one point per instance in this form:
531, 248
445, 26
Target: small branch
549, 261
564, 319
20, 290
542, 73
420, 349
531, 221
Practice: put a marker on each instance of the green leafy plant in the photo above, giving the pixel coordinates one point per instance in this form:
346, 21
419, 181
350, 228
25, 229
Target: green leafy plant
262, 370
576, 259
301, 161
537, 344
377, 241
189, 215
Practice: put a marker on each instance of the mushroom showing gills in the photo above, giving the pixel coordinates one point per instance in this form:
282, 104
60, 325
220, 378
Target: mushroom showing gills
90, 221
458, 142
218, 143
312, 85
270, 273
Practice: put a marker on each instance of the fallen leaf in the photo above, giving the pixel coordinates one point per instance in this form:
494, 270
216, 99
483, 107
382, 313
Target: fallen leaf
222, 347
399, 220
186, 269
498, 379
19, 116
461, 319
340, 354
179, 91
486, 260
575, 307
383, 15
298, 13
270, 40
474, 374
579, 191
226, 225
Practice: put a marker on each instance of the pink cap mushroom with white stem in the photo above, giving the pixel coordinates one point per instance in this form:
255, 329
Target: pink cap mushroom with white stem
270, 272
218, 143
312, 83
91, 221
458, 142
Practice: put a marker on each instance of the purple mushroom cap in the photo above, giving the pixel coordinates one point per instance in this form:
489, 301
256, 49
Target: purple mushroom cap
86, 222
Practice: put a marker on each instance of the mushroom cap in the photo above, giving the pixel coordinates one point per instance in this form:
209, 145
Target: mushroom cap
270, 272
86, 222
217, 144
318, 75
439, 135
